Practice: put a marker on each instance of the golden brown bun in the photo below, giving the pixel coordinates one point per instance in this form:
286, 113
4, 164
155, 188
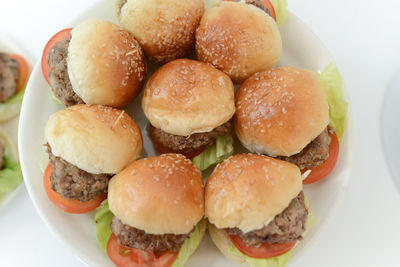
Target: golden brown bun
239, 39
105, 64
248, 190
96, 139
159, 195
186, 96
165, 29
280, 111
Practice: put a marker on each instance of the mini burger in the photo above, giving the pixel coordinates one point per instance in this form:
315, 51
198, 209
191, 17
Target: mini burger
158, 204
189, 105
284, 113
238, 38
97, 62
87, 145
165, 29
255, 206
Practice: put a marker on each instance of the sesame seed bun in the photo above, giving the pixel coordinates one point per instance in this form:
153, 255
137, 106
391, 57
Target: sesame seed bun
280, 111
165, 29
247, 191
96, 139
186, 96
105, 64
239, 39
159, 195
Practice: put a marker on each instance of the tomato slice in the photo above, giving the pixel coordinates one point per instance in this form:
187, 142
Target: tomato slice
70, 206
163, 149
58, 37
268, 5
321, 171
129, 257
264, 251
23, 71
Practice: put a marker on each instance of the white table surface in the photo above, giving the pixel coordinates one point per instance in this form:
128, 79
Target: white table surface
363, 36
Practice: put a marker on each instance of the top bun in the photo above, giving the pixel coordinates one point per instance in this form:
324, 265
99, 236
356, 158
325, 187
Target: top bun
94, 138
247, 191
165, 29
186, 96
280, 111
159, 195
239, 39
105, 64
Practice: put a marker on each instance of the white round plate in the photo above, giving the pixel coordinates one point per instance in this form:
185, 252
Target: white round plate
301, 48
10, 127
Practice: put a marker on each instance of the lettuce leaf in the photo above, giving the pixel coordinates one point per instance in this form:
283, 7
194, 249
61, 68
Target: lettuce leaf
10, 175
280, 11
102, 221
58, 101
221, 150
12, 106
279, 261
331, 81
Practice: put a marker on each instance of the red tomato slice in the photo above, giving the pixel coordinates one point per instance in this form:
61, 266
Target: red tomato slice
262, 252
58, 37
70, 206
163, 150
130, 257
268, 5
321, 171
23, 71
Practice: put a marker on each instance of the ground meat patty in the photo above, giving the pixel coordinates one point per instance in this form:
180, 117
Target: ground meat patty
187, 144
314, 154
257, 3
132, 237
1, 156
58, 74
286, 227
9, 76
73, 183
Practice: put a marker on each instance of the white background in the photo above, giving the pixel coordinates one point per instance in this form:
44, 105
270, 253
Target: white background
364, 38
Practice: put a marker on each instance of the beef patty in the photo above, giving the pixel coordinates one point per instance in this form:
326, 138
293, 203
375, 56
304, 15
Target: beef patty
58, 74
314, 154
1, 156
9, 75
132, 237
70, 182
187, 144
286, 227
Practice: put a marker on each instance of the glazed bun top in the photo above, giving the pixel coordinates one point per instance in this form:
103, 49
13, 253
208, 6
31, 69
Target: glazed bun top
239, 39
96, 139
165, 29
247, 191
186, 96
105, 64
280, 111
159, 195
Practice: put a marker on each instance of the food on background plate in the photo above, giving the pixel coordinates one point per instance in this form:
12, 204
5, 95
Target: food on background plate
256, 210
96, 62
14, 74
284, 113
189, 105
238, 39
165, 29
87, 145
155, 207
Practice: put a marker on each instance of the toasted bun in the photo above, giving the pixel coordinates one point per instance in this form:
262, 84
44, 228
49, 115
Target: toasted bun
280, 111
159, 195
247, 191
186, 96
239, 39
96, 139
105, 64
165, 29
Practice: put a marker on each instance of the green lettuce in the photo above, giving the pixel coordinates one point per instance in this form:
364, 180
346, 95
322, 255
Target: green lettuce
58, 101
280, 11
102, 221
331, 81
10, 175
12, 106
221, 150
